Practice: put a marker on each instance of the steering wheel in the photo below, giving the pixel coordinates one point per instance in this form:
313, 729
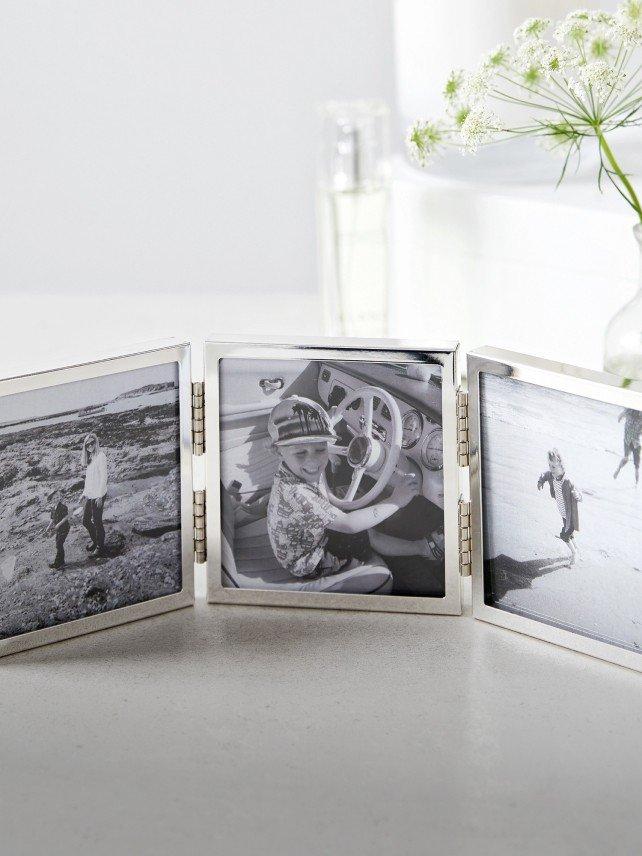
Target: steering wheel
366, 453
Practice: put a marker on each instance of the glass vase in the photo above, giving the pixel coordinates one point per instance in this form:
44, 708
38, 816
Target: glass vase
623, 338
352, 205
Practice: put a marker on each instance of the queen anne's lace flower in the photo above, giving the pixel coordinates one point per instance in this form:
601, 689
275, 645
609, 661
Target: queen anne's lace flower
423, 139
530, 54
476, 85
536, 58
600, 46
561, 59
600, 17
478, 127
572, 29
452, 89
498, 58
627, 24
569, 86
600, 77
532, 28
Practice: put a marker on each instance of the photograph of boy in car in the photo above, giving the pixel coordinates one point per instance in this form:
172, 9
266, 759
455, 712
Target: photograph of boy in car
301, 519
338, 486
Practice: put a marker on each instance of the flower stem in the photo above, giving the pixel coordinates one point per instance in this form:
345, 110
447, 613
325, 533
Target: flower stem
635, 202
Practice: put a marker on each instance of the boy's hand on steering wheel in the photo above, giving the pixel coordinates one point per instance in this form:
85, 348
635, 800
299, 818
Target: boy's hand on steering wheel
405, 490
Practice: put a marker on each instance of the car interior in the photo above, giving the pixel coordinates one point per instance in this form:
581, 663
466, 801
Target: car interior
388, 420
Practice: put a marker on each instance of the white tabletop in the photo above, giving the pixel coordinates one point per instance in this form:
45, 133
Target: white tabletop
271, 731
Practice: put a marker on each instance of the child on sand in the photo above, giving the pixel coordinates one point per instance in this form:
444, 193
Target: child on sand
566, 497
632, 431
300, 516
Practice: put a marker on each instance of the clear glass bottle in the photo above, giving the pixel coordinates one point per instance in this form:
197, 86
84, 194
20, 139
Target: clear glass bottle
623, 338
352, 211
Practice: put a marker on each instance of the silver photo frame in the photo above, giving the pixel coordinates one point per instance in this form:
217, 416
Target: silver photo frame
333, 350
175, 353
595, 386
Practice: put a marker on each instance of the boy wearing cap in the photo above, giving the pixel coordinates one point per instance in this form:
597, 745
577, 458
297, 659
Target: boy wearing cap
300, 515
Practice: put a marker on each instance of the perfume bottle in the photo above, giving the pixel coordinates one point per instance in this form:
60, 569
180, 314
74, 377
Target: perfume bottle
352, 211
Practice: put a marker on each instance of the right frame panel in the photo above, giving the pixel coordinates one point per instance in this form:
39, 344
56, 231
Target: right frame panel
556, 513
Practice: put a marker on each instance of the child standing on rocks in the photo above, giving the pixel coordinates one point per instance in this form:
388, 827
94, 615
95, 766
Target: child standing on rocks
59, 524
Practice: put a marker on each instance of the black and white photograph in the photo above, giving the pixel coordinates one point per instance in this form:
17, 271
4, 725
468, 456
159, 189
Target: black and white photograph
332, 476
562, 509
89, 497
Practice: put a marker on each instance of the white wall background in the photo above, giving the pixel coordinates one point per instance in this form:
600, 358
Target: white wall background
166, 145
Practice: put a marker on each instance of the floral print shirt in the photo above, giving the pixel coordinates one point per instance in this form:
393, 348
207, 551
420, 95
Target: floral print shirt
298, 515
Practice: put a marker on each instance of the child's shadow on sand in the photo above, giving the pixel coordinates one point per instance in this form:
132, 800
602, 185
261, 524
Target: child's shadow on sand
506, 574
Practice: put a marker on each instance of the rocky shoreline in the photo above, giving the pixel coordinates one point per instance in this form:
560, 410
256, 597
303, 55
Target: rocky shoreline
141, 516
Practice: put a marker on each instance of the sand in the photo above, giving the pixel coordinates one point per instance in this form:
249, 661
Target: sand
601, 596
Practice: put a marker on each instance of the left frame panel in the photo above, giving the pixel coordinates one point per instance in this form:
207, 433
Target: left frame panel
96, 496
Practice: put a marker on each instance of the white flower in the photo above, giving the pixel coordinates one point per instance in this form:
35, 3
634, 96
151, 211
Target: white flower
423, 139
459, 115
499, 57
532, 28
595, 16
561, 58
476, 85
536, 58
477, 128
572, 29
452, 89
530, 54
600, 45
582, 24
601, 77
627, 24
600, 17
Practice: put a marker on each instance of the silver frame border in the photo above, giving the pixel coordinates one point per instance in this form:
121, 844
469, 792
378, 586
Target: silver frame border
379, 350
590, 384
185, 597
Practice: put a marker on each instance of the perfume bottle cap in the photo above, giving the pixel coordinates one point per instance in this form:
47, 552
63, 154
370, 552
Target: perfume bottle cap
354, 145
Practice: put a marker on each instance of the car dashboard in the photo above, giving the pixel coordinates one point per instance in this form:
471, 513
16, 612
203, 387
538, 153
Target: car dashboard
422, 439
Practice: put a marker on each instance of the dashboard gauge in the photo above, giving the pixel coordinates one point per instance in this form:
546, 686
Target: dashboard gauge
412, 425
433, 451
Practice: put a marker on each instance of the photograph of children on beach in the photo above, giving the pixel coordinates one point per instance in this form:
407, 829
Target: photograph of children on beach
332, 476
89, 497
562, 509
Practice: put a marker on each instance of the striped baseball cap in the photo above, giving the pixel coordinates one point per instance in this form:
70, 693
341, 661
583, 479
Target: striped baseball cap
299, 420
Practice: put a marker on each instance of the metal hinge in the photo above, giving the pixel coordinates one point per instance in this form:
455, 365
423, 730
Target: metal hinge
464, 538
200, 546
462, 429
198, 417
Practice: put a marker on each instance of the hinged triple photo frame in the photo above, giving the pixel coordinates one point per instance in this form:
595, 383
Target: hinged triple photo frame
338, 474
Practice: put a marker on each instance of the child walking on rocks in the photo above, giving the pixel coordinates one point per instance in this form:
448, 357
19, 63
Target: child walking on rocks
59, 524
566, 496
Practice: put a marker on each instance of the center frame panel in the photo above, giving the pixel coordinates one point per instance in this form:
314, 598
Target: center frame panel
284, 372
